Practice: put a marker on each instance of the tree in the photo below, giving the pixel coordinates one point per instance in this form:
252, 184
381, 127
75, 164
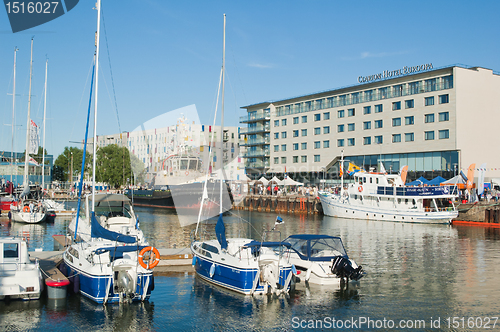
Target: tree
113, 165
57, 173
64, 161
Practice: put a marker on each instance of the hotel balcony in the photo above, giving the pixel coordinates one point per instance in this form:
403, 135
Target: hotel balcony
255, 117
256, 141
257, 164
256, 153
256, 129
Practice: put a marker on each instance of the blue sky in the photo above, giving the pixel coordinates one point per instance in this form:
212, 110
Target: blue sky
167, 54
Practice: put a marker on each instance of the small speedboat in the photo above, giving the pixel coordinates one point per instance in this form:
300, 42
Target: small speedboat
19, 277
322, 259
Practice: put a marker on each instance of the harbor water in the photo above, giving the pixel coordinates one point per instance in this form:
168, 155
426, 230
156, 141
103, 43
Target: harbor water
419, 277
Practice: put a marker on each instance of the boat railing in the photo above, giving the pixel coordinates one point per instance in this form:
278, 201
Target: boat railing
418, 191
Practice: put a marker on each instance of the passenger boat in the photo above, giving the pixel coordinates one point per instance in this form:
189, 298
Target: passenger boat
19, 277
322, 259
242, 265
382, 196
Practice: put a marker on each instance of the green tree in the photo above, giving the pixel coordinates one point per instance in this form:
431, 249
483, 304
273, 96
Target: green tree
57, 173
64, 161
113, 165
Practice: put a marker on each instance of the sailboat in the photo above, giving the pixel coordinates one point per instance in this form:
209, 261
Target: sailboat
110, 266
28, 211
242, 265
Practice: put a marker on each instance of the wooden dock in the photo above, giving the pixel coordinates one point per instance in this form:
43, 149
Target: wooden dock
281, 204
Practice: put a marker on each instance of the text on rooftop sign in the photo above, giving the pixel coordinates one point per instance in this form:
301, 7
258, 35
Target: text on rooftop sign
394, 73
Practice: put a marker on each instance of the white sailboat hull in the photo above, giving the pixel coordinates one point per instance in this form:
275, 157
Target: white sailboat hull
28, 217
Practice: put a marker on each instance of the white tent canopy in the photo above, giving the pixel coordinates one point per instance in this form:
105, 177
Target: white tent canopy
454, 180
291, 182
263, 180
277, 181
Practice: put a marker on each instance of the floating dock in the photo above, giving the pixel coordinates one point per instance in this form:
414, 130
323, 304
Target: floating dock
280, 204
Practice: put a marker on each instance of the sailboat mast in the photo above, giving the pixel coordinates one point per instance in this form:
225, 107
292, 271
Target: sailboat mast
28, 125
95, 102
44, 114
222, 116
13, 118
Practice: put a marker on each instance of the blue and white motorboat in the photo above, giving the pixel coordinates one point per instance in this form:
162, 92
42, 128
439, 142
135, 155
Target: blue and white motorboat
322, 259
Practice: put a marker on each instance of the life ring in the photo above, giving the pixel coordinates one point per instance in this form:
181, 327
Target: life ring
187, 173
157, 259
360, 188
26, 209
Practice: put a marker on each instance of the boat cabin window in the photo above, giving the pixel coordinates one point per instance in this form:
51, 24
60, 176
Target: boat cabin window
360, 181
376, 180
406, 201
364, 180
10, 250
184, 164
193, 165
371, 180
210, 248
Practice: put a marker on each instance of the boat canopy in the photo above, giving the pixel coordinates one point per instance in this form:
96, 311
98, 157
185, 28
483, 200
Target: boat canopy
97, 231
101, 198
267, 244
315, 247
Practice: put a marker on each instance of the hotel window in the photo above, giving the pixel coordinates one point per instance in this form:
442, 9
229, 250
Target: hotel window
409, 103
429, 118
444, 134
276, 160
295, 146
283, 147
396, 105
340, 142
367, 140
303, 146
342, 100
317, 117
276, 148
448, 82
413, 88
283, 122
444, 116
316, 158
326, 130
296, 133
304, 132
326, 144
397, 90
340, 128
288, 109
340, 113
276, 135
319, 104
329, 102
396, 122
429, 101
444, 99
283, 160
295, 159
317, 144
317, 131
409, 137
378, 139
378, 124
378, 108
308, 106
296, 120
298, 108
283, 134
396, 138
430, 85
351, 142
303, 159
367, 110
276, 123
369, 95
429, 135
350, 127
409, 120
326, 116
382, 92
304, 118
351, 112
355, 98
367, 125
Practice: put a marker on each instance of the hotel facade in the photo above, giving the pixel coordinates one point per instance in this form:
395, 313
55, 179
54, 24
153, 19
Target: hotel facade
435, 120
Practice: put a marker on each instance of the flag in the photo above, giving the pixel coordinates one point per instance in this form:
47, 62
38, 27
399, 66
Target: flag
382, 168
33, 161
403, 172
33, 138
341, 170
480, 182
353, 169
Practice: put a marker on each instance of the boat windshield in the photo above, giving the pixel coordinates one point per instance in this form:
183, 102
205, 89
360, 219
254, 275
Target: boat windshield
321, 248
113, 209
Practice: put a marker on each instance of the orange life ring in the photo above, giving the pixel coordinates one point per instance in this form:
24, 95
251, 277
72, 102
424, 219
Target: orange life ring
187, 173
360, 188
26, 209
157, 259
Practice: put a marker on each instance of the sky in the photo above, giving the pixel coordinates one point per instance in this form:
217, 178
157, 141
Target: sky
159, 55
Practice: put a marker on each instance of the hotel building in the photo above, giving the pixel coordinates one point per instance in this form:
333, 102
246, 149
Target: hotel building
435, 120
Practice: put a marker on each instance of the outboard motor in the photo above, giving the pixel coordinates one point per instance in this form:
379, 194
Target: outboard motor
343, 269
124, 284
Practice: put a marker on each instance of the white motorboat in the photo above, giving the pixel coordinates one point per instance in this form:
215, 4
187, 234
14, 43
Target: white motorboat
322, 259
19, 277
382, 196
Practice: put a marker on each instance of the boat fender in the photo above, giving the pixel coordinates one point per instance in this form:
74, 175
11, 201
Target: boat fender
294, 270
308, 274
212, 270
26, 209
156, 260
193, 263
360, 189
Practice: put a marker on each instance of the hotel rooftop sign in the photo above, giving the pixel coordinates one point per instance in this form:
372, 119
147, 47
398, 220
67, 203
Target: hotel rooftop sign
394, 73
